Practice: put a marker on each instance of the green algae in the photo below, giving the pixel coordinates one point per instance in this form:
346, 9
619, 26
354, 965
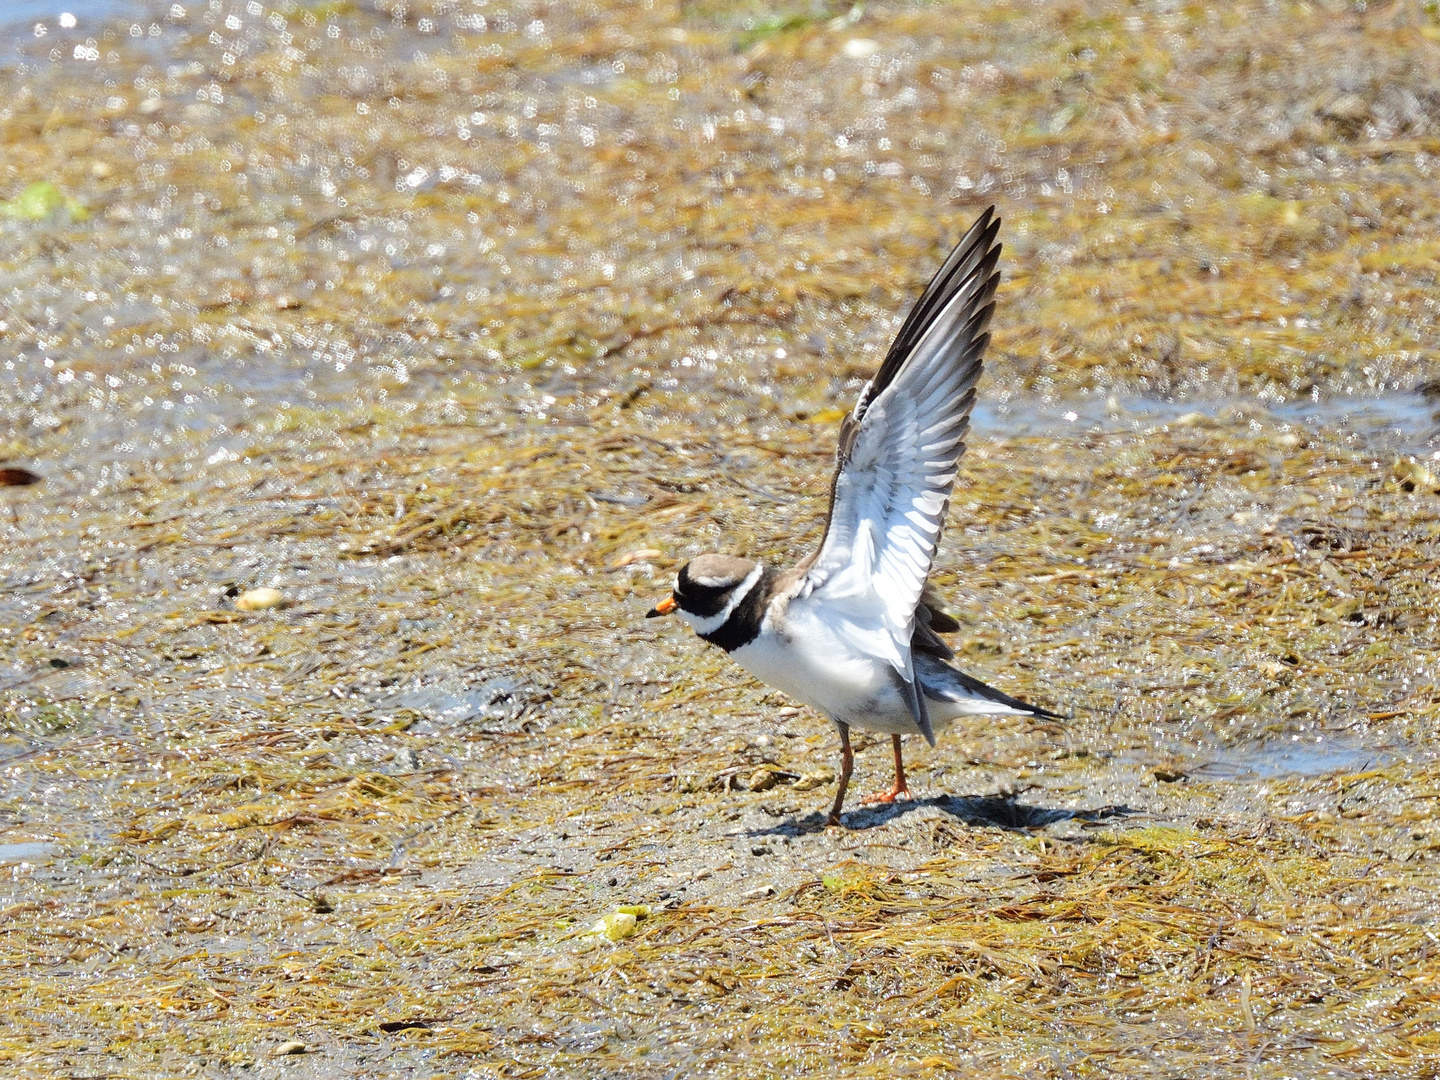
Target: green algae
43, 200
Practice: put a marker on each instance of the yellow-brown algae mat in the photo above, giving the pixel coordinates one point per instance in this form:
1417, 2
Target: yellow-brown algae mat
379, 363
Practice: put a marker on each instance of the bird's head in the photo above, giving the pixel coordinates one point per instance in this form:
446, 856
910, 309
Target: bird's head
707, 588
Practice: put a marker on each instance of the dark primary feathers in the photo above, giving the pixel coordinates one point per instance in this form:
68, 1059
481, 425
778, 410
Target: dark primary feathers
974, 258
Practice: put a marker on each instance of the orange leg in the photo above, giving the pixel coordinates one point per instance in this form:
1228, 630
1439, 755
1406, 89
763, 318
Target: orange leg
847, 766
898, 788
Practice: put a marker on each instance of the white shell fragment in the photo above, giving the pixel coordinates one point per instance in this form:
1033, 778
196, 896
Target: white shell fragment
259, 599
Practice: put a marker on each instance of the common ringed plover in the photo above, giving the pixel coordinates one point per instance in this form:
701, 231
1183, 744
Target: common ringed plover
852, 630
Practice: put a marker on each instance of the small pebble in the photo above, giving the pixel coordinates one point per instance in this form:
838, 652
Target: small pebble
817, 778
294, 1046
1413, 476
259, 599
616, 926
763, 779
14, 476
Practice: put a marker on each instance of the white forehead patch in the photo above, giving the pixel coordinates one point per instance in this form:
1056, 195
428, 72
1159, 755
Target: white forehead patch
713, 582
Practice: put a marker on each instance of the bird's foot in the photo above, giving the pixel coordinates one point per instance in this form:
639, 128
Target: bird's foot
898, 791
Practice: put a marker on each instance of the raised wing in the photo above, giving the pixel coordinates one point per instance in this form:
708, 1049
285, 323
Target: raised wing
896, 463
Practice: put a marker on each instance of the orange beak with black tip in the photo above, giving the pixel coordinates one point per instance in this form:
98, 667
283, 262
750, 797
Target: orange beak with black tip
664, 607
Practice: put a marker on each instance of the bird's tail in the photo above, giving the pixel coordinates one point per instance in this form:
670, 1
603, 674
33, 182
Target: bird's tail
941, 682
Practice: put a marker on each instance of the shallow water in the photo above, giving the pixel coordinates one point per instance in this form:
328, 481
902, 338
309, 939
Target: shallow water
1402, 423
1296, 756
28, 852
49, 12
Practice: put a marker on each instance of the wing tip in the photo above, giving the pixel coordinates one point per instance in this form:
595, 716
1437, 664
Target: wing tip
976, 255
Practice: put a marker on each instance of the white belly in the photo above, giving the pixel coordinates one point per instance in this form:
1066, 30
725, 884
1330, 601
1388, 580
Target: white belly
814, 667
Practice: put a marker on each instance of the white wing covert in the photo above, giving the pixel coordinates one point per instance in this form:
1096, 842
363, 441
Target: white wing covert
898, 454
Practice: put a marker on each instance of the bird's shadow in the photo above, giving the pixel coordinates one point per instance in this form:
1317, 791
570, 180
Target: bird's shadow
994, 811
